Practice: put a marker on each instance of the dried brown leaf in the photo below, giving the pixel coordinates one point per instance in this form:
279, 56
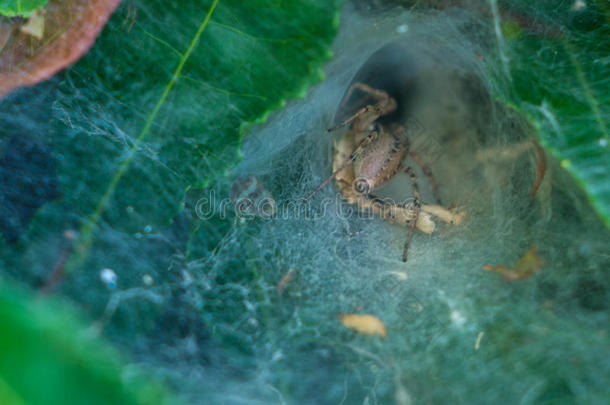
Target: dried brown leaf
70, 28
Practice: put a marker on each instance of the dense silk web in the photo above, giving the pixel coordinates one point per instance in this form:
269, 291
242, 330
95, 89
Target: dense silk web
244, 309
453, 328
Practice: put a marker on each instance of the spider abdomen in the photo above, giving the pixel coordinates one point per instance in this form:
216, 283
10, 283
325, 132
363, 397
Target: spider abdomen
379, 162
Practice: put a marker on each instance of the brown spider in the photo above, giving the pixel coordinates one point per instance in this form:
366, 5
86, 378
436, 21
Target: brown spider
367, 157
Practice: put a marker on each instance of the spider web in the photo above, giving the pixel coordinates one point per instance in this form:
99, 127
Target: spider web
202, 308
448, 320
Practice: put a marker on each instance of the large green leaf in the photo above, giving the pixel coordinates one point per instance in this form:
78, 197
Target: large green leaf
157, 106
160, 103
11, 8
554, 69
47, 357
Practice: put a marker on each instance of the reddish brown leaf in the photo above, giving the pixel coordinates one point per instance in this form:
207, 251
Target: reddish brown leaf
541, 169
70, 28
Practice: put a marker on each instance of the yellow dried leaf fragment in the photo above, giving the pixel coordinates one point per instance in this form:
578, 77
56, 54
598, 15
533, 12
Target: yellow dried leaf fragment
530, 263
34, 25
367, 324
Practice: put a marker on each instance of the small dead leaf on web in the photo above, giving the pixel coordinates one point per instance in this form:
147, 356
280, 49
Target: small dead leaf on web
52, 39
34, 26
366, 324
530, 263
251, 198
286, 279
540, 170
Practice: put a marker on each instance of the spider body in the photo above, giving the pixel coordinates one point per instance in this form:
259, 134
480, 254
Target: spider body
356, 185
368, 156
380, 161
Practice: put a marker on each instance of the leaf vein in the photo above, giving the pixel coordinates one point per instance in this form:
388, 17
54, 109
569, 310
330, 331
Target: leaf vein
87, 229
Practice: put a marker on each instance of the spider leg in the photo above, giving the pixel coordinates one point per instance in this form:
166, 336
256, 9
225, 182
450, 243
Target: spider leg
361, 146
385, 104
347, 96
358, 113
417, 206
402, 214
429, 174
378, 94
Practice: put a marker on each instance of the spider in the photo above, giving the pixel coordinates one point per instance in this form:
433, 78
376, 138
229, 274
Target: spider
368, 156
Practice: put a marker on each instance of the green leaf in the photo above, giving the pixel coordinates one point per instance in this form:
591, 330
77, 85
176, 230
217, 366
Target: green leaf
557, 64
160, 103
47, 357
12, 8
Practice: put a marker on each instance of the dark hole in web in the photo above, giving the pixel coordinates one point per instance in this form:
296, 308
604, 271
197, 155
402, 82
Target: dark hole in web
392, 70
